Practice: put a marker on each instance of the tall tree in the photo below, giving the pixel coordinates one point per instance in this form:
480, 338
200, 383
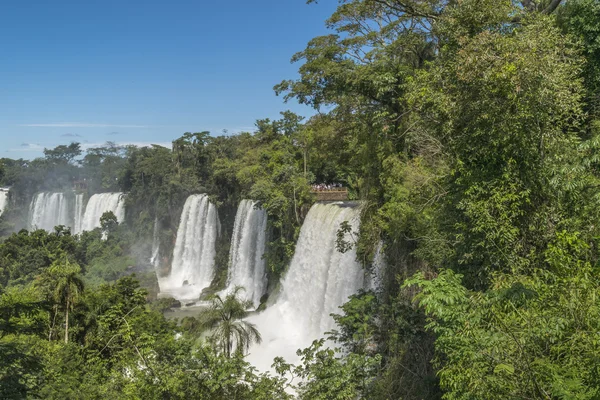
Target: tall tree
224, 318
65, 288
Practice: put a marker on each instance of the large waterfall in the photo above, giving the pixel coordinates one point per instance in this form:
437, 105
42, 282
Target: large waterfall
192, 268
48, 210
3, 200
319, 280
246, 264
98, 205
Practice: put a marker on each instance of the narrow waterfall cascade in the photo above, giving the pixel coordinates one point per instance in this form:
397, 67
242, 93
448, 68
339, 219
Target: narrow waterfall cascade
98, 205
246, 264
48, 210
374, 279
192, 268
318, 281
154, 258
79, 210
3, 200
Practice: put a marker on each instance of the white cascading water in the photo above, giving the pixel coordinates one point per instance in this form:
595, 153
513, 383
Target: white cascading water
98, 205
48, 210
79, 210
192, 268
319, 280
375, 278
246, 264
3, 200
154, 258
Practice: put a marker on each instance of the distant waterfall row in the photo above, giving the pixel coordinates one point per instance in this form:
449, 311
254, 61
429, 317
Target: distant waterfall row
48, 210
318, 281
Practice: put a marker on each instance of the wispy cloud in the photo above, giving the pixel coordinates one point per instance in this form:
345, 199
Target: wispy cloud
38, 148
70, 135
82, 125
29, 147
86, 146
114, 133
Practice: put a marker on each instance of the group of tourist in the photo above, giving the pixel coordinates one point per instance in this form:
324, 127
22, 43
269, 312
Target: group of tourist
321, 187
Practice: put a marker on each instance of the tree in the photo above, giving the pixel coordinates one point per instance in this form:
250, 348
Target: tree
63, 154
66, 286
108, 222
224, 317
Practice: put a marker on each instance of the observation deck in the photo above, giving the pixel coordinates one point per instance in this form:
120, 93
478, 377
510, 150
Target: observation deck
333, 194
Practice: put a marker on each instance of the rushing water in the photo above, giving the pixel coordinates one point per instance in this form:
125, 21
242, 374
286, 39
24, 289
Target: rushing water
98, 205
79, 210
246, 264
48, 210
374, 279
3, 200
154, 258
193, 267
319, 280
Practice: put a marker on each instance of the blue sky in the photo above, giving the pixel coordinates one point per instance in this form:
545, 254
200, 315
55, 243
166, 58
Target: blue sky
141, 72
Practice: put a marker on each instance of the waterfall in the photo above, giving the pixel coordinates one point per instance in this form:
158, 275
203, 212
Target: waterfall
3, 200
374, 279
98, 205
78, 213
318, 281
154, 258
246, 265
48, 210
192, 268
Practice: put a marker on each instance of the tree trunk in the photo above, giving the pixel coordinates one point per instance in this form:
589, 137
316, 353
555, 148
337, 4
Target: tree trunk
53, 326
305, 163
67, 323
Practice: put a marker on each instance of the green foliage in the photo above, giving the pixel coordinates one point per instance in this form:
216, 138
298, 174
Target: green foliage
532, 336
325, 375
505, 118
25, 254
580, 18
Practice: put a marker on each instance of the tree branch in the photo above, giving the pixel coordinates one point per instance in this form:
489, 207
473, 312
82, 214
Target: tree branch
406, 9
552, 6
529, 5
